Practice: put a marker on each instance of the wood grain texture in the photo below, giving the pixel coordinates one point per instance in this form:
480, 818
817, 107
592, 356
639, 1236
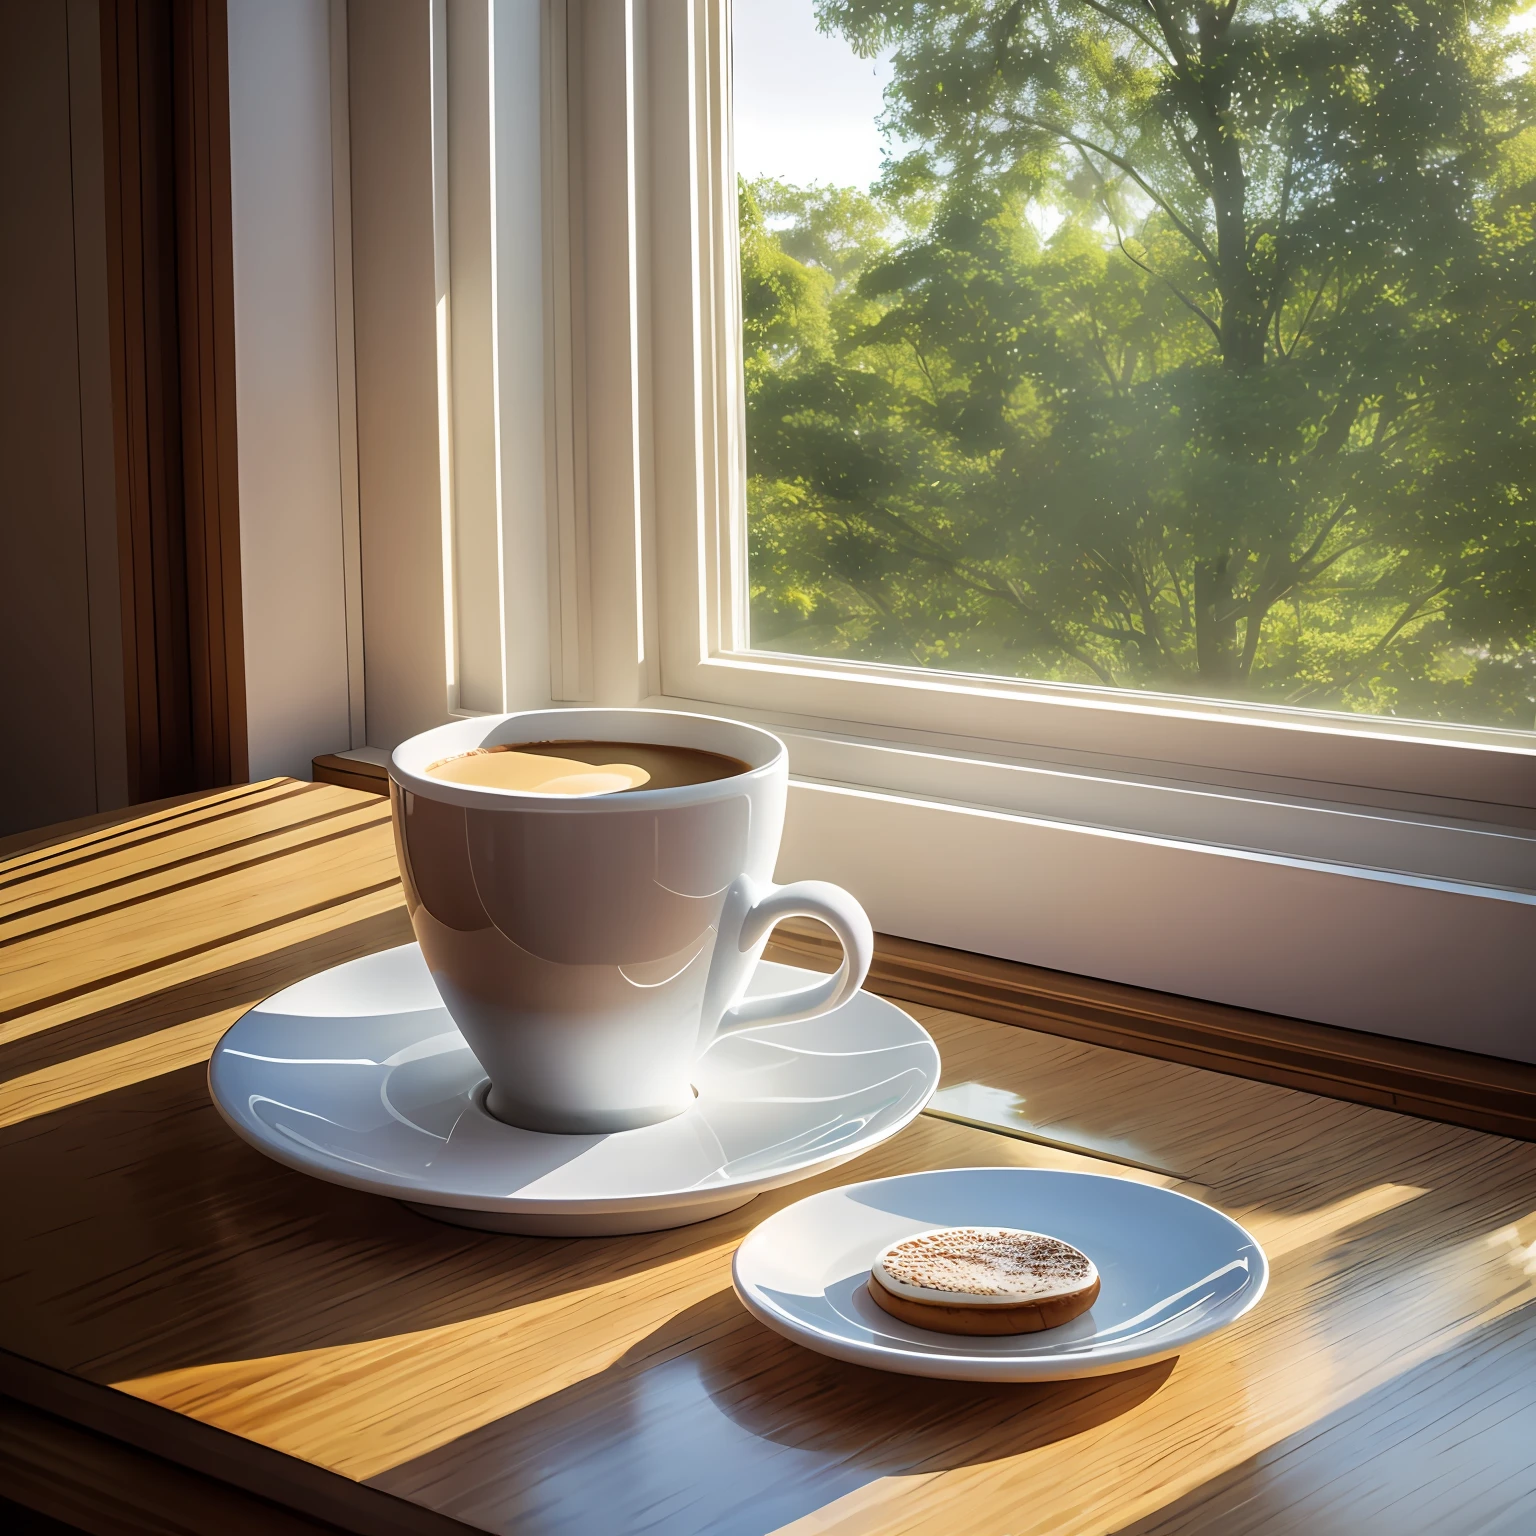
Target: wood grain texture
611, 1386
1434, 1440
1483, 1093
138, 115
170, 291
350, 773
49, 360
205, 273
105, 1488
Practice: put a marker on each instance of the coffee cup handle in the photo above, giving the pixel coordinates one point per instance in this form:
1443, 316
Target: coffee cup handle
829, 904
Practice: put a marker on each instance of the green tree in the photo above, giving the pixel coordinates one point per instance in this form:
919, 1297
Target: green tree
1253, 417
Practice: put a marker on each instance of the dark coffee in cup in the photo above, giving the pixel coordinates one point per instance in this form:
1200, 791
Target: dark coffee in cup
585, 767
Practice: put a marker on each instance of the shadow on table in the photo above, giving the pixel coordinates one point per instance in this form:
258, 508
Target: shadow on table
156, 1239
247, 981
1446, 1449
714, 1424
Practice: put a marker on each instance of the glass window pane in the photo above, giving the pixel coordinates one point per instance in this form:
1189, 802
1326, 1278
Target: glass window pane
1170, 346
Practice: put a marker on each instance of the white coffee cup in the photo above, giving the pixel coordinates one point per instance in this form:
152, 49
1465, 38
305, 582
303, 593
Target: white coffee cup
592, 948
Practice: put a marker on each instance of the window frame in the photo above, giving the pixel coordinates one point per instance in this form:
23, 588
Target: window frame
700, 464
1334, 869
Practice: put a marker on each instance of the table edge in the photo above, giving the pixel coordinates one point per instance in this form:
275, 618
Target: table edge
217, 1454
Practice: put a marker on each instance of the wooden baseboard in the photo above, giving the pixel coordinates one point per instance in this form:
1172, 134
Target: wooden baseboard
351, 773
1481, 1093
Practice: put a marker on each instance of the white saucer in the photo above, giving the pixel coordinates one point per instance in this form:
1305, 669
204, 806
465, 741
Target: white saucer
1172, 1270
359, 1076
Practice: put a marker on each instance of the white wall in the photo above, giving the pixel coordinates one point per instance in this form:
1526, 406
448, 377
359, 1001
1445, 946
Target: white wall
291, 531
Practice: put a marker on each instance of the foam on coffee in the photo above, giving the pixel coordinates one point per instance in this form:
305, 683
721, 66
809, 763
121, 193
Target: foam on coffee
579, 768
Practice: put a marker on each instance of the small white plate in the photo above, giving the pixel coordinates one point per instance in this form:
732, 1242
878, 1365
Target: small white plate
1172, 1270
359, 1076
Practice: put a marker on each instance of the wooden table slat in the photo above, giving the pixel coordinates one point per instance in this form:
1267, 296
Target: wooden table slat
245, 846
107, 834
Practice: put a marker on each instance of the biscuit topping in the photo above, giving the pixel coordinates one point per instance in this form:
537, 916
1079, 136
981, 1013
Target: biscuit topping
985, 1265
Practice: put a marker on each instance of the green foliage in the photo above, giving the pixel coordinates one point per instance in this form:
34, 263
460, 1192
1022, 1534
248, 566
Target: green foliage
1184, 347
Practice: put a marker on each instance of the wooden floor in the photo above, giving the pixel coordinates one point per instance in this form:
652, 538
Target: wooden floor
162, 1282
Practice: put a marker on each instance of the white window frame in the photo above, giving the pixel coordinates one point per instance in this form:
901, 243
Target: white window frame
704, 650
988, 813
1336, 868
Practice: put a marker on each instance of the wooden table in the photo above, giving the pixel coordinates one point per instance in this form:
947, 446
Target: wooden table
164, 1287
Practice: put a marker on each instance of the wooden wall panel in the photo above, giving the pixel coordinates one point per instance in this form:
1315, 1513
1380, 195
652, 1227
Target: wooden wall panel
137, 127
171, 317
48, 769
210, 465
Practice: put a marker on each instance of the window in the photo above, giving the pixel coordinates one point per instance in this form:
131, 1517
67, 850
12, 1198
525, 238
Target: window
940, 552
719, 352
1182, 348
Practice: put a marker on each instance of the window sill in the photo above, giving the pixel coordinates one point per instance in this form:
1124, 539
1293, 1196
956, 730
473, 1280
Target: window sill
1384, 920
1435, 1083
